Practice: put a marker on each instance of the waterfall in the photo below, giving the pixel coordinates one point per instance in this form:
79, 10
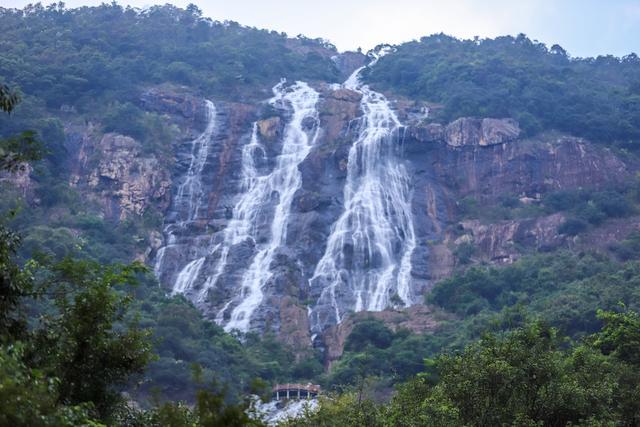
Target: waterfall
190, 192
282, 183
366, 264
187, 202
243, 222
367, 261
262, 194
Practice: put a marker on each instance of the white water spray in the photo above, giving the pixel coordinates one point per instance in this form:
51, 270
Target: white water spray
242, 224
368, 253
189, 200
190, 192
283, 181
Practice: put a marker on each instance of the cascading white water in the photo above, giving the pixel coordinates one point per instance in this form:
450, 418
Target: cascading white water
188, 201
283, 181
190, 191
187, 275
245, 214
367, 261
368, 252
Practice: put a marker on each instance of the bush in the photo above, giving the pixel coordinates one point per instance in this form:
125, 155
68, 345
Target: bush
572, 227
613, 204
125, 119
464, 251
629, 248
588, 206
369, 332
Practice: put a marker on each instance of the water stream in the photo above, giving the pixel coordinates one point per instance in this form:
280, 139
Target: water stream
283, 182
367, 261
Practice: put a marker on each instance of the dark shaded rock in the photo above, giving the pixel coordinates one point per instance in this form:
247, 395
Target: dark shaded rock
307, 201
433, 132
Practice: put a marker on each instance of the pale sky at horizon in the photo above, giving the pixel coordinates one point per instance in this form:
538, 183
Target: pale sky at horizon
583, 28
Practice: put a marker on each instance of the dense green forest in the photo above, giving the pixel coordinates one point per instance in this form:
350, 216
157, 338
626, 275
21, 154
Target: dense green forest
543, 88
528, 376
95, 55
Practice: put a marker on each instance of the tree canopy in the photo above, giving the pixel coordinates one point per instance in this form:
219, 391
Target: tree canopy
543, 88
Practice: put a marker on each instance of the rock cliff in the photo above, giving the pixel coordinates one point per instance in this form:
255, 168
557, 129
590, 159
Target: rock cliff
126, 181
479, 158
482, 132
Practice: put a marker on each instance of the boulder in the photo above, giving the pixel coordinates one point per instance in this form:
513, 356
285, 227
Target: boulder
463, 131
348, 95
433, 132
168, 101
498, 131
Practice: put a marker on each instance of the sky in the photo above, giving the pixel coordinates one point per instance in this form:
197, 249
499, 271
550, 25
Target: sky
582, 27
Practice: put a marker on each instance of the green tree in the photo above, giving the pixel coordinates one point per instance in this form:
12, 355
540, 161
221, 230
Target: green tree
85, 343
29, 397
16, 150
347, 410
522, 378
620, 340
14, 283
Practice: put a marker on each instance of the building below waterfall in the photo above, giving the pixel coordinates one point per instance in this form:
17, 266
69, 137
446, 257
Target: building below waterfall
295, 391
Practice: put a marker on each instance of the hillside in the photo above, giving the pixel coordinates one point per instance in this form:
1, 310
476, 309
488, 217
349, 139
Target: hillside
542, 88
298, 225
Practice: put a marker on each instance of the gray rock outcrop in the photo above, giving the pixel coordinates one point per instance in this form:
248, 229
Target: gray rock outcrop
482, 132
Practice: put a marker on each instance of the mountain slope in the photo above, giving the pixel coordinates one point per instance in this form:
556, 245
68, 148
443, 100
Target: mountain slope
286, 207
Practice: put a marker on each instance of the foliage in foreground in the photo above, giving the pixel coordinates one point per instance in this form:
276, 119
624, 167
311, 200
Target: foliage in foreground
68, 343
526, 377
69, 365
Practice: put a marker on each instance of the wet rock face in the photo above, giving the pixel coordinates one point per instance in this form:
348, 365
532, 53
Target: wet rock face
270, 128
480, 158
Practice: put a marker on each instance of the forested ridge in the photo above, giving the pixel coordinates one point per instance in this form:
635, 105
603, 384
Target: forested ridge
87, 338
543, 88
95, 55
